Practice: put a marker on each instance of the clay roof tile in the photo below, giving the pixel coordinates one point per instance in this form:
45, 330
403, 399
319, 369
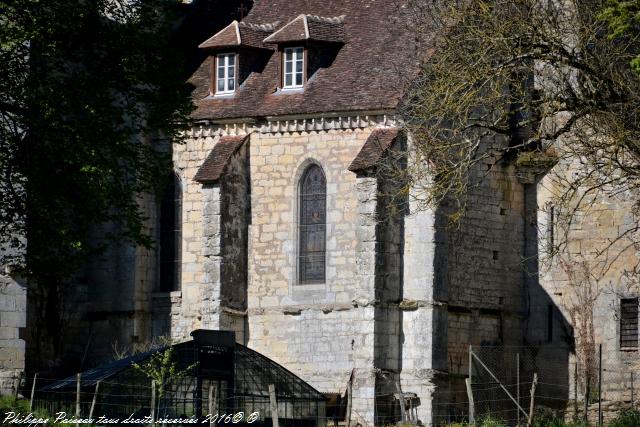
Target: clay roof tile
368, 71
375, 146
213, 167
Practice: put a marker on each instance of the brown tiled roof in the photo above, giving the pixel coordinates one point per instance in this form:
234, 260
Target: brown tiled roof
295, 30
373, 149
240, 34
228, 36
310, 27
326, 29
369, 71
213, 167
253, 35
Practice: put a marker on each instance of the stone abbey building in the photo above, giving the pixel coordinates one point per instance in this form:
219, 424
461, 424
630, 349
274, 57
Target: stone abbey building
277, 226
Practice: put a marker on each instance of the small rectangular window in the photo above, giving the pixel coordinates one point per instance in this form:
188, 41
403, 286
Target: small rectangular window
225, 73
551, 229
629, 323
293, 68
550, 318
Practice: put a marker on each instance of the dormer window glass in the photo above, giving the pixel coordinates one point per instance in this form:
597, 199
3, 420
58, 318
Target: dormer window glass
293, 76
225, 73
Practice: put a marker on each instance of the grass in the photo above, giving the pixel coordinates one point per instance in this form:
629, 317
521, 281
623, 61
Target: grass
9, 403
626, 418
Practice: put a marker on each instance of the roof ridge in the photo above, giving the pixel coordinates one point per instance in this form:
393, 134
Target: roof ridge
271, 26
330, 20
302, 16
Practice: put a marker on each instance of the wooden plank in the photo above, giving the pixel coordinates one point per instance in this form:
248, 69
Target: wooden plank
94, 400
153, 402
472, 408
33, 391
273, 405
532, 402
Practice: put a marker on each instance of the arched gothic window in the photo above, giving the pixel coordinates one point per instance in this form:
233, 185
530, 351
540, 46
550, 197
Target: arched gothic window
312, 224
170, 238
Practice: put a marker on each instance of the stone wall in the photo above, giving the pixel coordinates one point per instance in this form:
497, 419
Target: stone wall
109, 304
586, 267
320, 332
478, 271
191, 307
13, 313
482, 267
351, 324
214, 244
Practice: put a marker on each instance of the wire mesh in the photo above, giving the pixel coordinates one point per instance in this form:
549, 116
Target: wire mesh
206, 385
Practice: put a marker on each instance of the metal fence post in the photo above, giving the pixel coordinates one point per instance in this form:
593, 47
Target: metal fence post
600, 387
78, 385
587, 391
575, 389
518, 383
470, 389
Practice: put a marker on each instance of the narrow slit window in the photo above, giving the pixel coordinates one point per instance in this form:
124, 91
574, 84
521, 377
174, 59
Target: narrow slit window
170, 236
550, 319
293, 68
629, 323
551, 229
226, 73
312, 226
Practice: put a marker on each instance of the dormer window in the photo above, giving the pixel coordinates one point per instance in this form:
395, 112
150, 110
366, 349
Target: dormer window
225, 73
238, 40
293, 69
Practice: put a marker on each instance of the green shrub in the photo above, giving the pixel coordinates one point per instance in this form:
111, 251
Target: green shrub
556, 423
629, 418
490, 422
9, 403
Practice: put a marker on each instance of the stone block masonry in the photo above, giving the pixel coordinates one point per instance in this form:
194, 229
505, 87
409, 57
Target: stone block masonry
323, 332
402, 292
13, 313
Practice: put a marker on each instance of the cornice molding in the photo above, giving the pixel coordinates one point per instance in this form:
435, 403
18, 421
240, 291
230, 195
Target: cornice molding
282, 125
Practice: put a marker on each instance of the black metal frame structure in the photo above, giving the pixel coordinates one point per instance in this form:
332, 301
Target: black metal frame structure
213, 364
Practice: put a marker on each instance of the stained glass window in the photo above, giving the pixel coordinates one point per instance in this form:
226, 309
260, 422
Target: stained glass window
312, 225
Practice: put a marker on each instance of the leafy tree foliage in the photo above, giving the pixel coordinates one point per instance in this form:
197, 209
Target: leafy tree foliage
548, 91
542, 82
623, 18
90, 91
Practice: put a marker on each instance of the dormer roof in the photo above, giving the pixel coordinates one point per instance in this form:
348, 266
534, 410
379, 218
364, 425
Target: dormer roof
215, 164
310, 27
373, 149
369, 70
239, 34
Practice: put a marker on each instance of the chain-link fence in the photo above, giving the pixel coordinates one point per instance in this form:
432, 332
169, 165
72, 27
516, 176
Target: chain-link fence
499, 385
177, 401
502, 380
